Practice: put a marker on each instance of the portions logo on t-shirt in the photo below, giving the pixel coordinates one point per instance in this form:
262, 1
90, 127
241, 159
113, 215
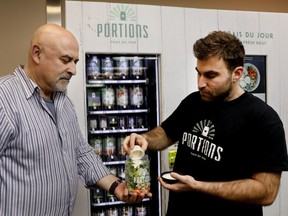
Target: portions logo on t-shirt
206, 128
200, 141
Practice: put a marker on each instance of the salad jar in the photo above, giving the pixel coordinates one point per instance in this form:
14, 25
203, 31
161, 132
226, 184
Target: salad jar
137, 174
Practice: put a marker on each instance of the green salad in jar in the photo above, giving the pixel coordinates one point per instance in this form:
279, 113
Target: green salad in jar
137, 175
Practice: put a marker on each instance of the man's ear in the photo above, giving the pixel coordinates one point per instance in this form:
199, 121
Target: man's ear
237, 73
36, 53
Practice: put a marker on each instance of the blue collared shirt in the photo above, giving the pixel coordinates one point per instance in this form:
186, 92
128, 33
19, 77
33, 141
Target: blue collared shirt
41, 158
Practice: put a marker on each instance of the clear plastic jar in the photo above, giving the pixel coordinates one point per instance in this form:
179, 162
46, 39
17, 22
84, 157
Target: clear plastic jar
137, 174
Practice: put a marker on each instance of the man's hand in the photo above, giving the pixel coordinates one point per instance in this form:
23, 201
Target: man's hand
121, 192
185, 183
134, 139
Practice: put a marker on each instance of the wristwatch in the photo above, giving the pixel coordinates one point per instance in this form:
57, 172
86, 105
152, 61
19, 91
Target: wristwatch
113, 186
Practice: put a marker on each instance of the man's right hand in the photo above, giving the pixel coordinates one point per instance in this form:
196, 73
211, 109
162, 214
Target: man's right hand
134, 139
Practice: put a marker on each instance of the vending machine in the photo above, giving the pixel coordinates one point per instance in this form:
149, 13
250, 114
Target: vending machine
122, 97
116, 92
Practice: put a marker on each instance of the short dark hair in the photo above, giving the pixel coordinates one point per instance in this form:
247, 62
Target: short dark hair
223, 45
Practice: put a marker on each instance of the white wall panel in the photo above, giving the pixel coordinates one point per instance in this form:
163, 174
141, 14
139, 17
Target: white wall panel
95, 37
76, 88
152, 44
173, 70
268, 25
174, 74
198, 23
229, 20
76, 91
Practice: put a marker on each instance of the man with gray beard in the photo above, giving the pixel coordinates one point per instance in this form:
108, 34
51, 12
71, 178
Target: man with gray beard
42, 149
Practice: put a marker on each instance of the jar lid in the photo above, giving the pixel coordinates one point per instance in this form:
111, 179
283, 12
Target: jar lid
137, 153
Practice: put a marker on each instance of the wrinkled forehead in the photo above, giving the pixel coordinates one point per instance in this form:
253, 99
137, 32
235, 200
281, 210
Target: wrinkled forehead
60, 44
53, 35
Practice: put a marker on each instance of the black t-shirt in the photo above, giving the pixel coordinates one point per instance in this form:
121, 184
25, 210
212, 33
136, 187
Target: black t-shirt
223, 141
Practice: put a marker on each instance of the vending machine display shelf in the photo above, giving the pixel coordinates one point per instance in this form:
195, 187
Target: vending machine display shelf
114, 203
117, 111
111, 163
136, 130
97, 83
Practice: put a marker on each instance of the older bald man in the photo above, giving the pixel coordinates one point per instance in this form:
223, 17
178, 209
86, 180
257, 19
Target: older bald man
42, 150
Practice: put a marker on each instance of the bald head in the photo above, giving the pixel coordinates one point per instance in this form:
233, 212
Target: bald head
52, 58
52, 35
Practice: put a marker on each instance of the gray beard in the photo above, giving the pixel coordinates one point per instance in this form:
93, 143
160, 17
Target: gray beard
59, 88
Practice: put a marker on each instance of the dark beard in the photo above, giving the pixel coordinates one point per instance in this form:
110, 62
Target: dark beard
223, 96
